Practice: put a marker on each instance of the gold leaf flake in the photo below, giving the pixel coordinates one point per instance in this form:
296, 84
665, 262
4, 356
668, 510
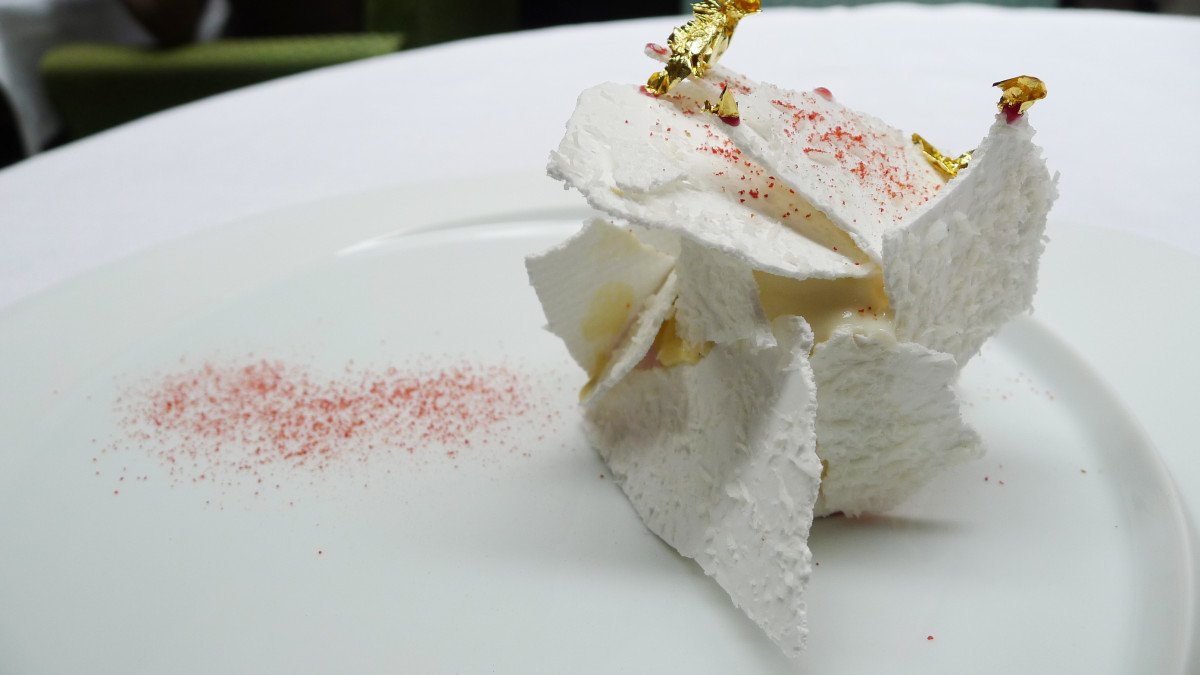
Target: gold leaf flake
947, 165
1020, 93
726, 107
698, 44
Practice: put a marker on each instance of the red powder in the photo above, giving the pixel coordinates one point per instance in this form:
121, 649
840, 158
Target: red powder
225, 420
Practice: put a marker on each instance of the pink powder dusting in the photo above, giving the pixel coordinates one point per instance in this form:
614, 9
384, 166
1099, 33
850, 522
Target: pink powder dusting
852, 147
230, 421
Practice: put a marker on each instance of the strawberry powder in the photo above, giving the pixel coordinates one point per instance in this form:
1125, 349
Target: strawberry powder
219, 421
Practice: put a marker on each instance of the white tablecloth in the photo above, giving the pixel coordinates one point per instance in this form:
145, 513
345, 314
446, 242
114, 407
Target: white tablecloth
1120, 121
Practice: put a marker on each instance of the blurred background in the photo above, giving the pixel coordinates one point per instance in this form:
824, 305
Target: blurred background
72, 68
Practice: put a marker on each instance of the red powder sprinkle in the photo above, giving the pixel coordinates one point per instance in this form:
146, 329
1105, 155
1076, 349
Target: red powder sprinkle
220, 421
823, 93
929, 638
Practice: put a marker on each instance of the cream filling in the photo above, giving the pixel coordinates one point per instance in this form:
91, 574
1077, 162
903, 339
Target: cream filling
858, 305
610, 313
670, 350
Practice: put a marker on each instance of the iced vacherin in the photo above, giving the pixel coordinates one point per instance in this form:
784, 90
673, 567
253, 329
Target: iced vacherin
777, 303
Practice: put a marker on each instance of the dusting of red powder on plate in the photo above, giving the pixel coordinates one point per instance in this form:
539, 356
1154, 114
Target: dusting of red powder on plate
226, 422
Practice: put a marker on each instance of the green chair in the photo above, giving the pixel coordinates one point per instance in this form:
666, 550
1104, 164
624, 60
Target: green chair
94, 87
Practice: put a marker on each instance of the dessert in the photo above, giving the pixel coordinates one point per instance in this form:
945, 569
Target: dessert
774, 318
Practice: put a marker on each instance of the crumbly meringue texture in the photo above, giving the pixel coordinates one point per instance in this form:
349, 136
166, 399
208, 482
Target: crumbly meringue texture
774, 321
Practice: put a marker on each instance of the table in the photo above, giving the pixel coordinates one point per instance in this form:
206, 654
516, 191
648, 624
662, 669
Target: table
1118, 125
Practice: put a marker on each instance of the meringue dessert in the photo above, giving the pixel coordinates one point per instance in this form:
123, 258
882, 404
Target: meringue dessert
774, 307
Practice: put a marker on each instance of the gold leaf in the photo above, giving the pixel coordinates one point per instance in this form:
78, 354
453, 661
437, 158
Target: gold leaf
726, 107
698, 44
1019, 93
947, 165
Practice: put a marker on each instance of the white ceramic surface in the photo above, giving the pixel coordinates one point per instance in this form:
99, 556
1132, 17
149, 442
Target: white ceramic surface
1064, 550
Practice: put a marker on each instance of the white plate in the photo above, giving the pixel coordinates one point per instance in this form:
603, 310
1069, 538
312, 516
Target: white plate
1064, 550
